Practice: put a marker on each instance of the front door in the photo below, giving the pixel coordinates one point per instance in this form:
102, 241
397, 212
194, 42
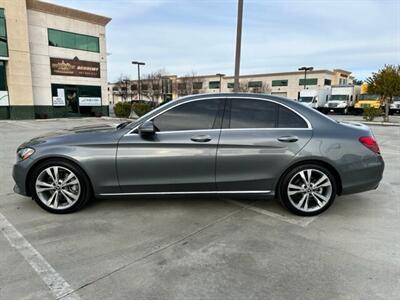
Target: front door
258, 140
72, 102
179, 157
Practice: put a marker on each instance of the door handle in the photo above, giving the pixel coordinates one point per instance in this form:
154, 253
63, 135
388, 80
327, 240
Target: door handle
203, 138
288, 139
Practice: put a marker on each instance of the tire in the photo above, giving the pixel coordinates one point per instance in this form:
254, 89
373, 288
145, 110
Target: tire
69, 193
307, 201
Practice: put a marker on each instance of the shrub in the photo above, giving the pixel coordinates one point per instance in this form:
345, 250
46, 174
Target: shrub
122, 109
141, 108
370, 113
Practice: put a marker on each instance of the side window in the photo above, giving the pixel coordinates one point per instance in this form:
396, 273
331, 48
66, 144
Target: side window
194, 115
289, 119
251, 113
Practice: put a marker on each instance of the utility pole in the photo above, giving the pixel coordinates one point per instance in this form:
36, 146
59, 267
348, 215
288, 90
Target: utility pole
305, 69
220, 80
238, 45
138, 63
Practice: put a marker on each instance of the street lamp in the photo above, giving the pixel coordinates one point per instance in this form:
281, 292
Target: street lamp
138, 63
305, 69
220, 80
238, 45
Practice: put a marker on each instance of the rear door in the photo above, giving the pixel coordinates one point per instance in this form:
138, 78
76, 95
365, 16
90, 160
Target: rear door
258, 140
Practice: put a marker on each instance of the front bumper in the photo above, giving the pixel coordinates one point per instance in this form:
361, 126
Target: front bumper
19, 174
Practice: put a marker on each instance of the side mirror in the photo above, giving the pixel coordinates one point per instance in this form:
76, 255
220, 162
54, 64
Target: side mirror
147, 128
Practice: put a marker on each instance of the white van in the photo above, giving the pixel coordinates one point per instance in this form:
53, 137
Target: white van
315, 98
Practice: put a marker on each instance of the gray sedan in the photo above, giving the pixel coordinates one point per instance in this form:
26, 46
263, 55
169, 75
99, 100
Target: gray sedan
228, 144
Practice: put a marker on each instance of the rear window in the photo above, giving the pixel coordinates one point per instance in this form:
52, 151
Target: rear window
250, 113
289, 119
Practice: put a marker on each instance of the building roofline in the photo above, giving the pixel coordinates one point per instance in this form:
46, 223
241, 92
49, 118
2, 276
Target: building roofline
63, 11
282, 74
342, 71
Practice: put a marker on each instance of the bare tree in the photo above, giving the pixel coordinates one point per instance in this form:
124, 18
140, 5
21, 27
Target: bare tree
189, 84
251, 87
152, 86
121, 87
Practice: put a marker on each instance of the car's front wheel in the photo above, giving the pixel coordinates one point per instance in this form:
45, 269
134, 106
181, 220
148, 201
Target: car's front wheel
59, 186
307, 190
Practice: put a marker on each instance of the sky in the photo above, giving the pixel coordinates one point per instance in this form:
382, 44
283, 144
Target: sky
198, 36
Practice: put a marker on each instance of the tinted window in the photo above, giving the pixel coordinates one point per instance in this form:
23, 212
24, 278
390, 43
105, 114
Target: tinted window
190, 116
72, 40
248, 113
289, 119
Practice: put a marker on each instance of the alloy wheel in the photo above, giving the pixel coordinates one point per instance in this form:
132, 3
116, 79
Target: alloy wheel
58, 187
309, 190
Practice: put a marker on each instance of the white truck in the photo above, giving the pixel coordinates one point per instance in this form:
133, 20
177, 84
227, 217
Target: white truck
315, 98
342, 98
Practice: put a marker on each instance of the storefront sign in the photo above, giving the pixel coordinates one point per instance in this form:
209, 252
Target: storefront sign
59, 100
74, 67
89, 101
3, 98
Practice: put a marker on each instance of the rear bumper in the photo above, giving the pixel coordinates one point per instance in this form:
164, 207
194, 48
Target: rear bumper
364, 178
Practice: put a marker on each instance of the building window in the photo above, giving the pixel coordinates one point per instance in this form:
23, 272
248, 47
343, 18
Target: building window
308, 81
282, 82
230, 85
145, 86
156, 87
115, 89
79, 99
134, 87
3, 35
72, 40
254, 84
197, 85
327, 82
3, 81
181, 86
213, 85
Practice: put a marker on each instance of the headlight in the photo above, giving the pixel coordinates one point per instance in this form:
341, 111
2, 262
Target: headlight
25, 153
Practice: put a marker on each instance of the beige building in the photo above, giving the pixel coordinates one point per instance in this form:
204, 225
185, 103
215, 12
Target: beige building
53, 61
287, 84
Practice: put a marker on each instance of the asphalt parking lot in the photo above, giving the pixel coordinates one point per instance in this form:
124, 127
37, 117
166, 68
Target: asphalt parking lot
208, 248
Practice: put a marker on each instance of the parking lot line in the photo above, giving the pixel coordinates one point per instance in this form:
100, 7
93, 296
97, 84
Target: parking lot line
57, 285
303, 222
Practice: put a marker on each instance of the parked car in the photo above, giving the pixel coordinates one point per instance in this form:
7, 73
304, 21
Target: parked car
240, 144
394, 107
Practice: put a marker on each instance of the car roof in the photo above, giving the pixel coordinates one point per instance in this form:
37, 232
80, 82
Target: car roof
309, 113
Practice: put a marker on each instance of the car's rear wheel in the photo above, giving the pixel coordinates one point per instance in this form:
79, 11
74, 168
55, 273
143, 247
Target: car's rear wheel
307, 190
60, 187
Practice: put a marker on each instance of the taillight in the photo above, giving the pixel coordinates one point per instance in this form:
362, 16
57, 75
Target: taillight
370, 143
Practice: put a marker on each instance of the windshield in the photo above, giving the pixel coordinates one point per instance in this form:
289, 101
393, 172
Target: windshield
339, 97
306, 99
369, 97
